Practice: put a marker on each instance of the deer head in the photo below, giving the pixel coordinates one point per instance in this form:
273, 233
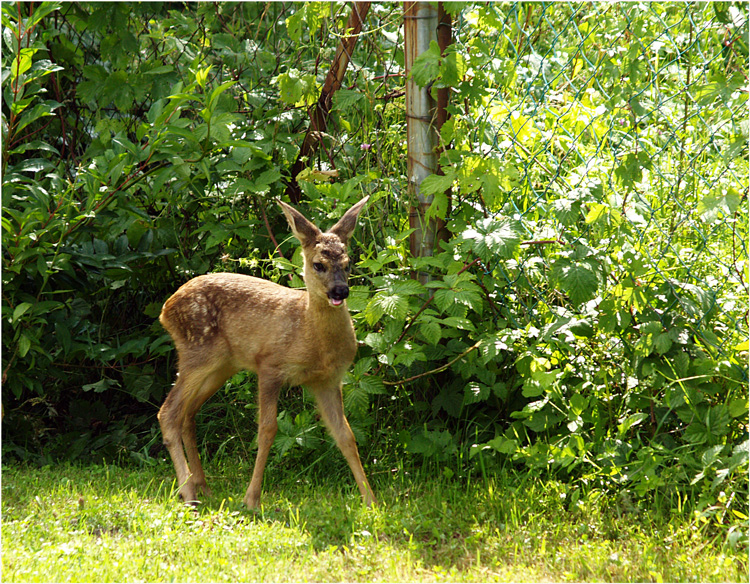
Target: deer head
326, 263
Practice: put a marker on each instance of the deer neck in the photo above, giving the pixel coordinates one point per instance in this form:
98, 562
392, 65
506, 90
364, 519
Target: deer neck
326, 318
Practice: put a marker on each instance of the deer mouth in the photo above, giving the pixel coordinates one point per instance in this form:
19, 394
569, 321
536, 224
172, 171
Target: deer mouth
337, 295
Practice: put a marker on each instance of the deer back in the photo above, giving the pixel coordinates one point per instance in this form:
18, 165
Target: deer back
241, 322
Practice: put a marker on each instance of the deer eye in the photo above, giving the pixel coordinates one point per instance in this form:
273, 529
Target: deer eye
318, 267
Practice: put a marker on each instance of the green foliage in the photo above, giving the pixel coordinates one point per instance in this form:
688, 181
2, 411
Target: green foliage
585, 318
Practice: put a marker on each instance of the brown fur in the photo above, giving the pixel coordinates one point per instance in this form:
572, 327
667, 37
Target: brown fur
223, 323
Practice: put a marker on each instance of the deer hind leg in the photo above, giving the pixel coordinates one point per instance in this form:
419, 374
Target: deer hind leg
331, 407
177, 420
268, 397
210, 386
171, 419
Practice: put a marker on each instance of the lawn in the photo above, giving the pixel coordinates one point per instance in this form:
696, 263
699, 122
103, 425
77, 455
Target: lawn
122, 524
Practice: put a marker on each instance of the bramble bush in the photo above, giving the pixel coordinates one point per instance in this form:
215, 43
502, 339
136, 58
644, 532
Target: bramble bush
586, 316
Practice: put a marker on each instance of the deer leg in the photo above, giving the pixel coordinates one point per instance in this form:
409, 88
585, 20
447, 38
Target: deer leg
170, 416
268, 396
331, 407
177, 418
209, 387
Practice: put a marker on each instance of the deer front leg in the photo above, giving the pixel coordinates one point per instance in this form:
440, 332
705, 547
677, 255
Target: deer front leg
331, 407
268, 396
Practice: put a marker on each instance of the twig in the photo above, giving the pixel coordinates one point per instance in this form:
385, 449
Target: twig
438, 370
543, 242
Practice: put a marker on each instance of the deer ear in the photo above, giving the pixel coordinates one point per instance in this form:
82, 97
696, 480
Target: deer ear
303, 229
345, 226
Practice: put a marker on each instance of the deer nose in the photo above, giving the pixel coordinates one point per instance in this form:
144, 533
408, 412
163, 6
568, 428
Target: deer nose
340, 292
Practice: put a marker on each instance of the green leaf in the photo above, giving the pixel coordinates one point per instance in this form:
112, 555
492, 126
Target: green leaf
475, 392
630, 171
542, 420
426, 67
578, 403
20, 310
577, 280
662, 342
738, 407
373, 385
40, 110
24, 344
697, 433
345, 98
452, 67
629, 422
719, 205
216, 92
408, 287
431, 331
492, 239
394, 305
717, 420
293, 86
435, 183
503, 445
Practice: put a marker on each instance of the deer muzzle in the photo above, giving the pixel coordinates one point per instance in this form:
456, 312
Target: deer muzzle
338, 294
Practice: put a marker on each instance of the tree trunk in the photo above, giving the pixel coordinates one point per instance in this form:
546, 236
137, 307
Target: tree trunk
319, 111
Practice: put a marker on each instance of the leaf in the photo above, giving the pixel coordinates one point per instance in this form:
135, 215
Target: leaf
475, 392
345, 98
20, 310
503, 445
540, 382
436, 183
717, 420
394, 305
373, 385
629, 422
630, 171
24, 344
216, 92
40, 110
409, 287
719, 205
738, 407
293, 86
711, 455
21, 63
452, 67
578, 403
577, 280
697, 433
542, 420
100, 386
426, 67
495, 238
662, 343
431, 331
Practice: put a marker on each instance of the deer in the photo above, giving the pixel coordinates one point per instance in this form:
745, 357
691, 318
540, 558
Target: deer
222, 323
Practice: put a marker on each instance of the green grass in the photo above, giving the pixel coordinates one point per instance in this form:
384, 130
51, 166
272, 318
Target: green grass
112, 524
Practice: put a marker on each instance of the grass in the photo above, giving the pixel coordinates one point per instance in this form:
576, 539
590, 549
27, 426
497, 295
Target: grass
112, 524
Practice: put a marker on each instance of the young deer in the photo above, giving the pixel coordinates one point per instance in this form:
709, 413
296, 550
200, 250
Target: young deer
223, 323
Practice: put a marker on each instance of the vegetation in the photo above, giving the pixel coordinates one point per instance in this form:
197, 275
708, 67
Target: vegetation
585, 320
109, 524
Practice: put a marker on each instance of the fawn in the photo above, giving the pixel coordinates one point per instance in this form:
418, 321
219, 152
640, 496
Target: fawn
223, 323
